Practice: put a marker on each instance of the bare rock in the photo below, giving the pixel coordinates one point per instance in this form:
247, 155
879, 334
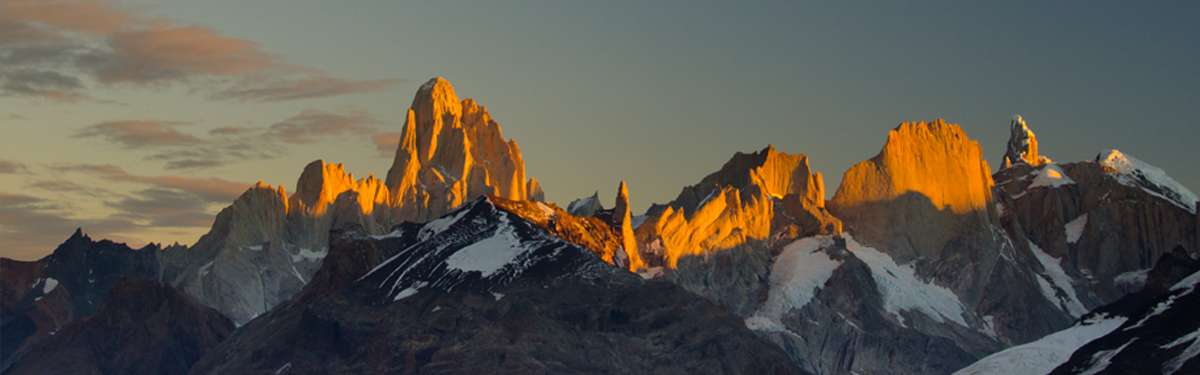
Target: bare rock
1022, 146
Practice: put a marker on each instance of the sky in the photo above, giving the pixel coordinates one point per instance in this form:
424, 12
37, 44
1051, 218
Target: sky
140, 120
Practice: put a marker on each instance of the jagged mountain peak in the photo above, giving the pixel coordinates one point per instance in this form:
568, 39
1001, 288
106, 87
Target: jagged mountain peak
1022, 145
450, 153
933, 159
1153, 180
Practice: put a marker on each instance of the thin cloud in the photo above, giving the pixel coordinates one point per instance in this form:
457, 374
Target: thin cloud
67, 186
386, 143
138, 134
32, 227
228, 130
192, 163
314, 87
213, 190
163, 208
70, 40
12, 167
312, 124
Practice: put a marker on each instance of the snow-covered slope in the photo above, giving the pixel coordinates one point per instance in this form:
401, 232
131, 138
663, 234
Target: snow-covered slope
1152, 179
1042, 356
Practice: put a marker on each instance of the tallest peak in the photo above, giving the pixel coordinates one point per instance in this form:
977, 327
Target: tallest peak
436, 90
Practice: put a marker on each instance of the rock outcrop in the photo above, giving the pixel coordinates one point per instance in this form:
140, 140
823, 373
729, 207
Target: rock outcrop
926, 187
735, 205
1022, 146
450, 153
586, 207
530, 303
143, 327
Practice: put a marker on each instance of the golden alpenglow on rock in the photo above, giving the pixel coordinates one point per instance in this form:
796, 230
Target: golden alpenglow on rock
450, 153
927, 184
1022, 145
737, 204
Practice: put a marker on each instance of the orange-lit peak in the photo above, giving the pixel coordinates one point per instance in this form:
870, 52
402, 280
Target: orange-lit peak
934, 159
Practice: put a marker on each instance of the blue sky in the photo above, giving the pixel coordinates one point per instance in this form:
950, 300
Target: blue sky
139, 120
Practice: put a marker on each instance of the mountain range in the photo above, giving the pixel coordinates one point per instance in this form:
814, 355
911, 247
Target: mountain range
925, 260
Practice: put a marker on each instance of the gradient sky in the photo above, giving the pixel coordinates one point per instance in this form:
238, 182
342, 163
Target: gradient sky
139, 120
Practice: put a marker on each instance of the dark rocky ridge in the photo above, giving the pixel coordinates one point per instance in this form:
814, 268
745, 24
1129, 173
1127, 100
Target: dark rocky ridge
39, 298
555, 308
143, 327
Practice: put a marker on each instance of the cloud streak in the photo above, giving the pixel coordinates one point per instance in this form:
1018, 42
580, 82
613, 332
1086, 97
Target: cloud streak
32, 227
12, 167
49, 48
312, 124
212, 190
138, 134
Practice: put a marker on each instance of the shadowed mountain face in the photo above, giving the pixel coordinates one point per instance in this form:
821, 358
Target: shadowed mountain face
527, 302
39, 298
143, 327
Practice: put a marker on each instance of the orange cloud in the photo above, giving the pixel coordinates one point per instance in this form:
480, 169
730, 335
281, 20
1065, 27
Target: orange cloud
311, 123
110, 44
136, 134
215, 190
386, 143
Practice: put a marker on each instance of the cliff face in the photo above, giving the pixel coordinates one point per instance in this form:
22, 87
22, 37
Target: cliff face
749, 199
927, 186
450, 153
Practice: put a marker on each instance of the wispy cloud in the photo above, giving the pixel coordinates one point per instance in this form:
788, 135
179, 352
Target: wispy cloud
49, 48
137, 134
163, 208
213, 190
386, 143
12, 167
68, 186
232, 144
32, 226
312, 124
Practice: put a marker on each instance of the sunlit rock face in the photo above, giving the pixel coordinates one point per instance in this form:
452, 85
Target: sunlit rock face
450, 153
739, 203
1022, 146
927, 186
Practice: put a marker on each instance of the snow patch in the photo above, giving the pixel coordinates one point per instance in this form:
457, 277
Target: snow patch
1190, 352
408, 292
1135, 278
1160, 308
1043, 355
1074, 229
1187, 282
497, 295
797, 274
1103, 358
253, 248
395, 233
1058, 281
1138, 173
204, 270
309, 255
489, 255
1050, 176
437, 226
902, 290
51, 283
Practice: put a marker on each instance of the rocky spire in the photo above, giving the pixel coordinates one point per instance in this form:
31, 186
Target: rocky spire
450, 153
622, 222
1022, 145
